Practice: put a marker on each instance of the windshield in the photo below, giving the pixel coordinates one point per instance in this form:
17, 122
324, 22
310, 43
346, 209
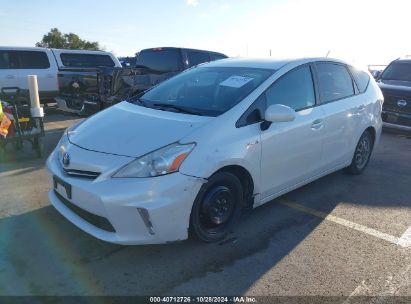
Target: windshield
208, 91
397, 71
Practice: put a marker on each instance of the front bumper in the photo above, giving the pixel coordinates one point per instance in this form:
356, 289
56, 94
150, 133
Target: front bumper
139, 210
395, 120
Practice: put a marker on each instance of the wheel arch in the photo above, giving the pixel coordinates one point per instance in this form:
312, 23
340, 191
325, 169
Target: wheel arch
246, 180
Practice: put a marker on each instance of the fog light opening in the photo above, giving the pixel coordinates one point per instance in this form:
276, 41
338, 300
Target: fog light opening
146, 219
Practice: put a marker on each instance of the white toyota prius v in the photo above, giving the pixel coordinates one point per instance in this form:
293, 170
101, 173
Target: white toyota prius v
187, 156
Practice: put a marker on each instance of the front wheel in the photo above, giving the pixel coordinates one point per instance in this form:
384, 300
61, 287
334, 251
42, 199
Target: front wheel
217, 207
362, 154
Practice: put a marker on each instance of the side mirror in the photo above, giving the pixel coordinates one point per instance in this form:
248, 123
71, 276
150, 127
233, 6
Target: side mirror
376, 74
279, 113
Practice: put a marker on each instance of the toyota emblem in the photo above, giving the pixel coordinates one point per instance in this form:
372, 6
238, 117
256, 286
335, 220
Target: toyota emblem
66, 159
401, 103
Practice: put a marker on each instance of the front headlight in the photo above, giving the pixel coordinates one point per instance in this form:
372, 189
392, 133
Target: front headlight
160, 162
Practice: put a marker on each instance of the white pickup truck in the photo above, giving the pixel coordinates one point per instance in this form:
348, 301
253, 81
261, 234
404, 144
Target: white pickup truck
18, 62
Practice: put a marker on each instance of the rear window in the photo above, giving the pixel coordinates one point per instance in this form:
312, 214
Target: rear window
197, 57
86, 60
23, 60
361, 79
160, 60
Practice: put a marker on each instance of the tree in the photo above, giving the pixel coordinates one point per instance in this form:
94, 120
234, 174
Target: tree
58, 40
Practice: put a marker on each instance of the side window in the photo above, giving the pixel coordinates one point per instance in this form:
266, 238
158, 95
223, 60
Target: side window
86, 60
295, 89
32, 60
160, 60
334, 82
4, 60
197, 57
361, 78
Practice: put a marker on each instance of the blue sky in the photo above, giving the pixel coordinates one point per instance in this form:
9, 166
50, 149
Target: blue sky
366, 31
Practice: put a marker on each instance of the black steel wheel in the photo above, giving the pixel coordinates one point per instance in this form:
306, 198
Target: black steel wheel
362, 154
217, 207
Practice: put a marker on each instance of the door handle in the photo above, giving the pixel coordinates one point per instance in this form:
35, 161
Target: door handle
317, 124
10, 76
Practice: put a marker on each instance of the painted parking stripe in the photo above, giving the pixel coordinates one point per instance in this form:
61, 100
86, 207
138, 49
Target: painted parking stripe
403, 241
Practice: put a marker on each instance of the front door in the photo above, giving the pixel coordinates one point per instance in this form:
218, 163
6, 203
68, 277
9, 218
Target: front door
291, 151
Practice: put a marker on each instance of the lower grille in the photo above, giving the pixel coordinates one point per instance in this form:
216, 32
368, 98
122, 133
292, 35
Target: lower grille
96, 220
82, 173
390, 104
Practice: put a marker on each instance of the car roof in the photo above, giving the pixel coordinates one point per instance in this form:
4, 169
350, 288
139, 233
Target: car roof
406, 59
267, 63
24, 48
178, 48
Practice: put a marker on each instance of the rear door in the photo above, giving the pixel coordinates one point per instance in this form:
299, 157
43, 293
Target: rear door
38, 63
291, 151
340, 105
8, 70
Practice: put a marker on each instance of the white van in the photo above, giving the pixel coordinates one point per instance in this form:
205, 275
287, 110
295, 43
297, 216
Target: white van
18, 62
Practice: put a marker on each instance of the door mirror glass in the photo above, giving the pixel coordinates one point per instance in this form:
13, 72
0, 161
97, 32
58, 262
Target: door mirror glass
279, 113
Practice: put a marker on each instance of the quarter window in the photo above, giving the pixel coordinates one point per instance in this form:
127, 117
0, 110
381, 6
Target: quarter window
295, 90
334, 82
361, 79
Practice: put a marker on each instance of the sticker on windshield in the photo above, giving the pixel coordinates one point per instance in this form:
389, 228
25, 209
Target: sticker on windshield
236, 81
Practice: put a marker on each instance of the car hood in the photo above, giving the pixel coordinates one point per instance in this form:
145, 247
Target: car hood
395, 87
127, 129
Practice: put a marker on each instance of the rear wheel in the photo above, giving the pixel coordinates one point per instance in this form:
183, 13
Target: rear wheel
217, 207
362, 154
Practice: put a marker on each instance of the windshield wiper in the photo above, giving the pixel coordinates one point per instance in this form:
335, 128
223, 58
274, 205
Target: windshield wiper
138, 101
177, 108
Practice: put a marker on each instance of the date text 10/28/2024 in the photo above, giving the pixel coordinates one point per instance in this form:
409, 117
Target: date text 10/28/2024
203, 299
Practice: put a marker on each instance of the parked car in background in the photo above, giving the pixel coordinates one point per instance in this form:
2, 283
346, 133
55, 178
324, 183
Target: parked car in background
395, 84
191, 153
101, 88
127, 62
158, 64
59, 72
16, 63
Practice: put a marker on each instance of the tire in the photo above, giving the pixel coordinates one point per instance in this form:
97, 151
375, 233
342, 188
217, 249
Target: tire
362, 154
217, 207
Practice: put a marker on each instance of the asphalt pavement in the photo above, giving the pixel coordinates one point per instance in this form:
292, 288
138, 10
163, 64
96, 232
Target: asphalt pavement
343, 236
